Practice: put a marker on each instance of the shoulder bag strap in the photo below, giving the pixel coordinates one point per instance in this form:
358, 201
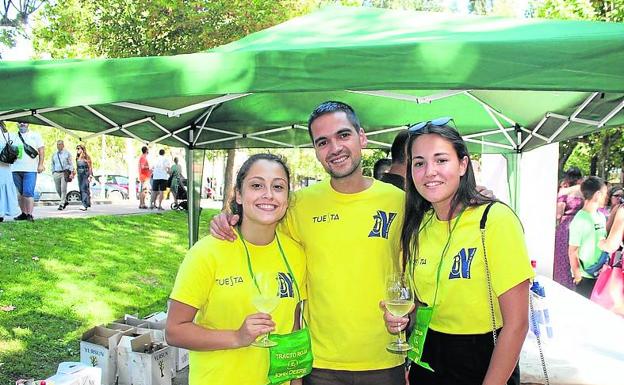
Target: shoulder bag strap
488, 276
58, 155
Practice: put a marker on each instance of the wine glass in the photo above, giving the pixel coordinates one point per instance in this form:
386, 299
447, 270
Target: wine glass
399, 302
265, 299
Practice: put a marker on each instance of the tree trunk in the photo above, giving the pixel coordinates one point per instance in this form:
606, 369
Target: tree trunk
593, 166
228, 183
565, 150
603, 161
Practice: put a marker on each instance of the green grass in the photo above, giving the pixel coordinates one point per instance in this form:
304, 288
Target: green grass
64, 276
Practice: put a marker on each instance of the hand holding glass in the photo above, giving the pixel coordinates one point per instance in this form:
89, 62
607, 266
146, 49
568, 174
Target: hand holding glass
399, 302
265, 300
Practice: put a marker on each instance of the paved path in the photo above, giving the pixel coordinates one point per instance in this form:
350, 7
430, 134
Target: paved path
104, 208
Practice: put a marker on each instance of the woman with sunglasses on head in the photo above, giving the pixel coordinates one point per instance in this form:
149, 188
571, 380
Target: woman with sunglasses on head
472, 298
84, 169
214, 311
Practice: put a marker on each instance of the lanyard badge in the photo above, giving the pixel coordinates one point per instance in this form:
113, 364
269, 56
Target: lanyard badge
419, 334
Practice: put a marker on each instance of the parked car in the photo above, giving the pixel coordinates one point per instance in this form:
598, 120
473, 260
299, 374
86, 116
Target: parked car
46, 191
115, 187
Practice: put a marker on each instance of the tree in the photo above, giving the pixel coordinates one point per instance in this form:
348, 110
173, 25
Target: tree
116, 28
14, 19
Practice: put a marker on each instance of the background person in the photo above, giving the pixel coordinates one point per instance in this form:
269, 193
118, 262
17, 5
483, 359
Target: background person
176, 180
586, 230
84, 169
211, 311
26, 168
60, 164
381, 167
442, 249
160, 175
8, 194
145, 174
569, 202
614, 201
614, 240
396, 174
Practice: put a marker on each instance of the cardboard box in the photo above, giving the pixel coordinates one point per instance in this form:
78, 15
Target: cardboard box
123, 357
118, 326
98, 348
131, 320
156, 317
157, 329
149, 368
179, 356
70, 373
182, 358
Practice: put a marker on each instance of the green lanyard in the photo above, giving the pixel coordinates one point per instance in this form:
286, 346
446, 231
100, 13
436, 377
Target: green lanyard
412, 264
251, 273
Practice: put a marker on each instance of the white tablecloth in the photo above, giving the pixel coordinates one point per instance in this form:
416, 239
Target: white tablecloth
587, 347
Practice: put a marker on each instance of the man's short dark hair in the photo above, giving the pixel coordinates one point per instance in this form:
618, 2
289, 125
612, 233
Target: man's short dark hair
161, 152
591, 185
398, 151
144, 149
330, 107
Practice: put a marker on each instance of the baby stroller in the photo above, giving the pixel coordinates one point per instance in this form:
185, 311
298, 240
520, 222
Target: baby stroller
182, 198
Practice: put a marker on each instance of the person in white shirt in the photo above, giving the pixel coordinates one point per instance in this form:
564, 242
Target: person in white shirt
61, 162
31, 153
160, 175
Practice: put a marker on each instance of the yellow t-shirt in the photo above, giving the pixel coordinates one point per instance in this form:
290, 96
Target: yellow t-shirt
351, 242
214, 278
462, 305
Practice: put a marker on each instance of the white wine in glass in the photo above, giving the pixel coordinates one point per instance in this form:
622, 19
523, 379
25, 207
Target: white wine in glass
265, 299
399, 302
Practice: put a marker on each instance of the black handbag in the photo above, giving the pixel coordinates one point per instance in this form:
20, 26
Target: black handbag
9, 152
28, 149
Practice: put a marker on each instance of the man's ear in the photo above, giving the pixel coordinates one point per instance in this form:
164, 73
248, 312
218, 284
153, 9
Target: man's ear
363, 138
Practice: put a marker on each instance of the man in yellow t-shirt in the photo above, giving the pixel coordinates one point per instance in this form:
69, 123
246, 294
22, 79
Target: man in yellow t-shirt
214, 278
349, 228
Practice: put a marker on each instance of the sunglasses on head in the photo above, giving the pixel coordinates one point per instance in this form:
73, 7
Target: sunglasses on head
434, 122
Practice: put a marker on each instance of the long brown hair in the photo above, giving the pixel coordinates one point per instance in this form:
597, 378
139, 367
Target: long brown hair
85, 155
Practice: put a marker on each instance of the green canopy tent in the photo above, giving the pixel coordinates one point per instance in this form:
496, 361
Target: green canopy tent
510, 84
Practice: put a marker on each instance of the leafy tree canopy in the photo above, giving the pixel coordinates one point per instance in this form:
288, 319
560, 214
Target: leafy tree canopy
125, 28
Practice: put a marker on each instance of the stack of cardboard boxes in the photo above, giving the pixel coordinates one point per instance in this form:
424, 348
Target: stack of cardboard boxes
133, 351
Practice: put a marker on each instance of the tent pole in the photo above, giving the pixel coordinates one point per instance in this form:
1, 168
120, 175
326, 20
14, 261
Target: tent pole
513, 179
195, 175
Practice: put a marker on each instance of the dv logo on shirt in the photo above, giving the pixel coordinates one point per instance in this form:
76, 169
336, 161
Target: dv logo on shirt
285, 285
383, 221
461, 263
